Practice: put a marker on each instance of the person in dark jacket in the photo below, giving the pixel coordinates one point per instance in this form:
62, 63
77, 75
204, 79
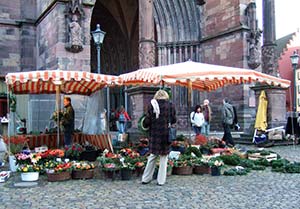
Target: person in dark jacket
160, 113
68, 121
227, 122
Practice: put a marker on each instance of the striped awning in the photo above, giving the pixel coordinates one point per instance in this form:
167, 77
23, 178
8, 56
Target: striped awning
69, 82
205, 77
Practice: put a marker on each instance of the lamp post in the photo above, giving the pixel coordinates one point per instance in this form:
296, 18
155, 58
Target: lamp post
98, 36
295, 60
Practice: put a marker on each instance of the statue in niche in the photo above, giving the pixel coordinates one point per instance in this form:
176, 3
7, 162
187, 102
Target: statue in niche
75, 35
254, 54
74, 15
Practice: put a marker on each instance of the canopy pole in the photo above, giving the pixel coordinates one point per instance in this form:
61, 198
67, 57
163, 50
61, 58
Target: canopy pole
8, 126
189, 102
57, 88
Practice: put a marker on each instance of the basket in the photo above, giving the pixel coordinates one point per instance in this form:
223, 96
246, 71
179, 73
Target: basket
62, 176
83, 174
184, 170
201, 169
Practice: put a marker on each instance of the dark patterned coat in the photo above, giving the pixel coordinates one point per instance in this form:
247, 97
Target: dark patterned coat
159, 131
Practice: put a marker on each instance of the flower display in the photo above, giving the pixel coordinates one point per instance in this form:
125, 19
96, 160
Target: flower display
73, 151
53, 153
83, 165
184, 160
27, 159
61, 167
29, 168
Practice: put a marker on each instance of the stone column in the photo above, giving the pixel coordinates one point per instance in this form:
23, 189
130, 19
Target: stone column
269, 60
139, 97
146, 34
276, 96
276, 114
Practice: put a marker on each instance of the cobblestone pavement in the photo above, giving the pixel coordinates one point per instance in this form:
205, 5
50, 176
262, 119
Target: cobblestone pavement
258, 189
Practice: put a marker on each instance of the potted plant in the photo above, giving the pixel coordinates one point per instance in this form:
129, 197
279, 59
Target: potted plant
183, 165
89, 153
127, 167
28, 166
201, 166
215, 166
73, 151
109, 163
82, 170
61, 172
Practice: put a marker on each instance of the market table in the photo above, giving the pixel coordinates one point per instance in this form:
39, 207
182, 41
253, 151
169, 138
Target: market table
102, 141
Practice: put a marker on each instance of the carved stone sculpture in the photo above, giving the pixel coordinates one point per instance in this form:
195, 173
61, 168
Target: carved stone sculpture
74, 13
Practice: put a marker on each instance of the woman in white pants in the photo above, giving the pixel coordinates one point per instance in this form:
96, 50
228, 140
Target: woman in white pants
160, 113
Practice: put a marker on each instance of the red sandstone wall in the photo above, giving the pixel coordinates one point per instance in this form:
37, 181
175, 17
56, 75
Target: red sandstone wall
9, 36
285, 68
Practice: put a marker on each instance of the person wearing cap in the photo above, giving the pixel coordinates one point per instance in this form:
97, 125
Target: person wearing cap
207, 117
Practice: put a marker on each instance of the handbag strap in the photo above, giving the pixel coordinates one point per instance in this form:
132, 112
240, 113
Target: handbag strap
169, 118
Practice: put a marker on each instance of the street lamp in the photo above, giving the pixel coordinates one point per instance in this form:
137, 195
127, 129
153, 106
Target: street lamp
295, 60
98, 36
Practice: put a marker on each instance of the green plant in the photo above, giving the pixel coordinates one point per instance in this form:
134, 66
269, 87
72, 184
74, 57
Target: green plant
231, 159
199, 161
235, 171
193, 150
184, 160
246, 163
292, 167
215, 162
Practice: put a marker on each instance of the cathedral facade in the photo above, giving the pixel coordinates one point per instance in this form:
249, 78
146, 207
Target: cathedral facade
56, 34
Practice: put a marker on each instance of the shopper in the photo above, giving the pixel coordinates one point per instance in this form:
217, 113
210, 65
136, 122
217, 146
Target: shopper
207, 118
123, 118
160, 113
197, 119
227, 121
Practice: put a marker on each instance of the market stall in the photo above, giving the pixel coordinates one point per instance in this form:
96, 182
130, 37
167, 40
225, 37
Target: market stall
199, 76
56, 82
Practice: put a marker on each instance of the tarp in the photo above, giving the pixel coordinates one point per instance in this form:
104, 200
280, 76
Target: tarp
69, 82
261, 115
200, 76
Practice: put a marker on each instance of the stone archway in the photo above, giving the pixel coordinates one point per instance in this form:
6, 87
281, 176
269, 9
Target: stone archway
177, 38
119, 53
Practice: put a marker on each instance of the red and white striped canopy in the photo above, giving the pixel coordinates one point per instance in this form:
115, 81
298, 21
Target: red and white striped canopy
205, 77
69, 82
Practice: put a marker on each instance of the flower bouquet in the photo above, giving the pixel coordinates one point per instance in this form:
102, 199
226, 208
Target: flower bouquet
82, 170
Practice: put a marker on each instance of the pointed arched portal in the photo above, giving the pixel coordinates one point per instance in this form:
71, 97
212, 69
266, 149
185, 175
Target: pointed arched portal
119, 52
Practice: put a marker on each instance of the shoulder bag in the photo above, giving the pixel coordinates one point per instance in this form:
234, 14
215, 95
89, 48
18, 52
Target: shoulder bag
172, 130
